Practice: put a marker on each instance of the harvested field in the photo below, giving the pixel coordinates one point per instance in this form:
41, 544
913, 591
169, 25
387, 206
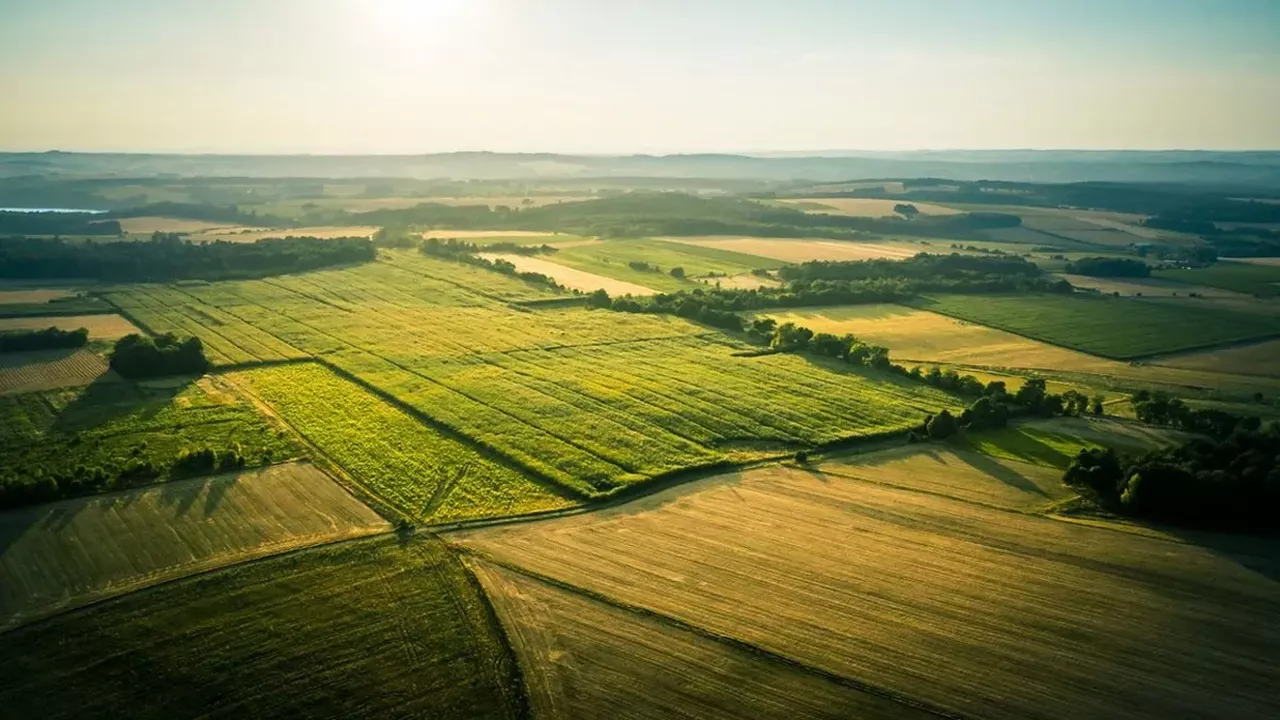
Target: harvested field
582, 657
1262, 359
797, 250
51, 369
34, 295
521, 236
249, 235
101, 327
148, 225
571, 277
371, 629
1120, 328
960, 607
69, 553
865, 207
1148, 287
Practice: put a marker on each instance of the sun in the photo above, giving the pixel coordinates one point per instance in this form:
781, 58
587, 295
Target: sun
407, 16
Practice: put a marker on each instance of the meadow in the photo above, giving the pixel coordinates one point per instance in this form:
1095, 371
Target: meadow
114, 426
390, 454
69, 553
1117, 328
1252, 278
370, 629
960, 608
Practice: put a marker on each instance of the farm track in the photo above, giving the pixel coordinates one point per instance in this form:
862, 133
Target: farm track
726, 640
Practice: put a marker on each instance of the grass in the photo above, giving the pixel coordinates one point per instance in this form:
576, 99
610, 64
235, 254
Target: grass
1054, 443
112, 425
1117, 328
1252, 278
68, 553
361, 630
611, 258
968, 609
423, 473
100, 327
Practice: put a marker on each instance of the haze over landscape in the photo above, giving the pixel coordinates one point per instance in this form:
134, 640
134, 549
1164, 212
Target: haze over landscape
580, 359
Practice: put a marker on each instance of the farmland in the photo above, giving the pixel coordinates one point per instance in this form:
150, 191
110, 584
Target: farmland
1261, 359
963, 608
369, 629
1110, 327
796, 250
72, 552
100, 327
613, 258
1054, 443
35, 295
391, 455
115, 426
1252, 278
571, 277
50, 369
864, 207
590, 659
591, 400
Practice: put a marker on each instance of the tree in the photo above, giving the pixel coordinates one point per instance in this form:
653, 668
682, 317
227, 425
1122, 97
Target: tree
598, 299
677, 273
942, 426
1097, 408
906, 210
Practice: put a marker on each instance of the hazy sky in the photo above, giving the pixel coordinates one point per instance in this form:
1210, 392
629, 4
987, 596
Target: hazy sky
383, 76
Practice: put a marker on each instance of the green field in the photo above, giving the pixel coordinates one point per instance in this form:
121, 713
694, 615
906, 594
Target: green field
1251, 278
611, 257
1120, 328
364, 630
592, 400
68, 553
1055, 443
392, 455
112, 426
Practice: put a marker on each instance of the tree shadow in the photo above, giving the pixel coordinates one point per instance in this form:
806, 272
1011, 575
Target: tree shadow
1020, 444
989, 466
108, 398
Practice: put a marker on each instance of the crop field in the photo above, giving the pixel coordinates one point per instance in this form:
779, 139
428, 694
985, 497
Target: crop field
865, 207
1148, 287
100, 327
1251, 278
796, 250
611, 258
148, 225
427, 475
50, 369
1262, 359
362, 630
524, 237
582, 657
591, 400
1110, 327
33, 295
572, 278
69, 553
248, 235
111, 425
958, 608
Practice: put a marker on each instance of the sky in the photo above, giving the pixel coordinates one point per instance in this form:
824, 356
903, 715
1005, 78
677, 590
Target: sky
632, 76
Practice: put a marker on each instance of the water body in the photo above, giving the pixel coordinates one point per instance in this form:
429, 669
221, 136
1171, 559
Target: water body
52, 210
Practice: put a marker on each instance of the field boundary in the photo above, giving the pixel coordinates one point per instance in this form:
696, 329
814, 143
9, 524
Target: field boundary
728, 640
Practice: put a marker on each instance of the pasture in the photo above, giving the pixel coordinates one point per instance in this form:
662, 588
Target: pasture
390, 454
65, 554
50, 369
797, 250
1251, 278
114, 426
369, 629
583, 657
100, 327
571, 278
1119, 328
906, 593
864, 207
591, 400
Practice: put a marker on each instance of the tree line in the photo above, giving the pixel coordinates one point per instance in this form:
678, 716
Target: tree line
168, 256
1228, 479
1109, 267
47, 339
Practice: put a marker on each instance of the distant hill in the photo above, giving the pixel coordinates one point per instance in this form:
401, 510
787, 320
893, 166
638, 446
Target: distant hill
1244, 169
